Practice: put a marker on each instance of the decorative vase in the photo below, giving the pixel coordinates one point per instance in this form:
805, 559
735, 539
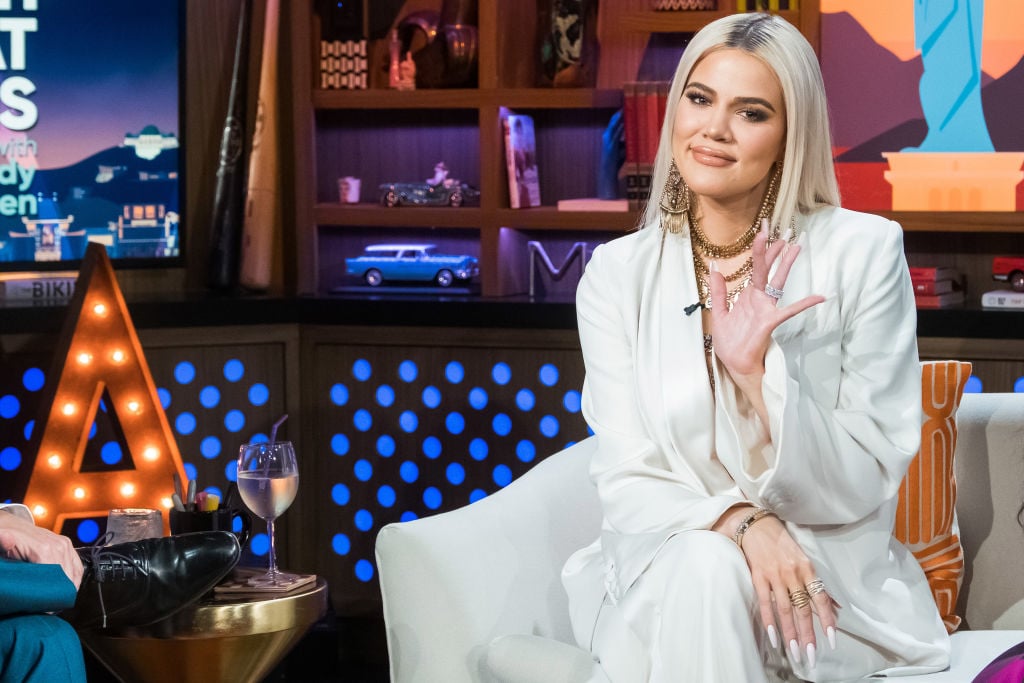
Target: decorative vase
448, 57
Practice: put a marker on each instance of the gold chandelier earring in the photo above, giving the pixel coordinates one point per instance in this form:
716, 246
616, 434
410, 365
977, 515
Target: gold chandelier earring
675, 200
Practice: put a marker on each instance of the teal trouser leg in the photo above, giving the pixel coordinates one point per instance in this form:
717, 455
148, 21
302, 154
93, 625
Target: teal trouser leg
39, 648
28, 588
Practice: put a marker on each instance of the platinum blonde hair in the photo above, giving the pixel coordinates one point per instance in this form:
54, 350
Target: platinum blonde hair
808, 174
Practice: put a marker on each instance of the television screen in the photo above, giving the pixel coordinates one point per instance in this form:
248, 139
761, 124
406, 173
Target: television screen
90, 131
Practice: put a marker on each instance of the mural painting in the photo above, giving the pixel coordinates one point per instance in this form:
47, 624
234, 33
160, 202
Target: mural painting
925, 97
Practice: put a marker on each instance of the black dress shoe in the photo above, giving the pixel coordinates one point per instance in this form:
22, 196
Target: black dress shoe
133, 584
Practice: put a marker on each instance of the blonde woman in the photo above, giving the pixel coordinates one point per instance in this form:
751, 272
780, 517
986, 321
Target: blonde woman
753, 382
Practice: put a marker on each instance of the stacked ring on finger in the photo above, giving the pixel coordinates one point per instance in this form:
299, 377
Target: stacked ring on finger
773, 292
814, 587
800, 598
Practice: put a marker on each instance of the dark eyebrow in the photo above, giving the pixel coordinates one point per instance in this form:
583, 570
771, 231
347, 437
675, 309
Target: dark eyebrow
739, 100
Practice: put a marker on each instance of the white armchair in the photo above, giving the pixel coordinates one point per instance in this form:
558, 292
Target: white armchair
475, 594
454, 582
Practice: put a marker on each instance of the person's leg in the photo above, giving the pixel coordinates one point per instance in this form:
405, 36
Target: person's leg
29, 588
691, 616
39, 648
139, 582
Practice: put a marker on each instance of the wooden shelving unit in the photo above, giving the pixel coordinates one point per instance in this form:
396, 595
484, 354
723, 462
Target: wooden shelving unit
332, 126
386, 135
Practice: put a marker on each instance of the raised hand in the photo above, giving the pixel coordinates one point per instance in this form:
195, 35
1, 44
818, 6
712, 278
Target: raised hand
742, 335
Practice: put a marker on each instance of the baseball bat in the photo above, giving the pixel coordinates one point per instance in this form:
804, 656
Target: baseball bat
261, 195
228, 201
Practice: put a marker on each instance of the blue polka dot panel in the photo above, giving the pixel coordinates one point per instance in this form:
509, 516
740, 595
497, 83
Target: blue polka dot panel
219, 398
408, 432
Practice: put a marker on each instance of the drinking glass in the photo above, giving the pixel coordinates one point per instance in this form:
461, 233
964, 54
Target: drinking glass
125, 525
268, 479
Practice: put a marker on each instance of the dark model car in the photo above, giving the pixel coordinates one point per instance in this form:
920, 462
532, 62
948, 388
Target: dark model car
411, 262
447, 193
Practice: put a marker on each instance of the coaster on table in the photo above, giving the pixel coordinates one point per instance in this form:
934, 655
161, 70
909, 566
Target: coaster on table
238, 583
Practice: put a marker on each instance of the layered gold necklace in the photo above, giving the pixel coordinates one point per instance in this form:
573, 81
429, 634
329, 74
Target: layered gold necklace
702, 247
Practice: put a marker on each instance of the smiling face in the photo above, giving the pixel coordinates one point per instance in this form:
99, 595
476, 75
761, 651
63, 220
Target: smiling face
729, 128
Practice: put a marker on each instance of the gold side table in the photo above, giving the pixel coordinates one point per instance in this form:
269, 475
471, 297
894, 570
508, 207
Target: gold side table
221, 638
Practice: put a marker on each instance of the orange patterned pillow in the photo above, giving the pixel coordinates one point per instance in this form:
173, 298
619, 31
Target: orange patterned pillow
926, 511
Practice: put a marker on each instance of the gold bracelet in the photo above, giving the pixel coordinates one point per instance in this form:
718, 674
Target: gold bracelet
748, 521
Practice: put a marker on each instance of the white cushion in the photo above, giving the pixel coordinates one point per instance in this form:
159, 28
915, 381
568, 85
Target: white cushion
453, 582
534, 659
989, 464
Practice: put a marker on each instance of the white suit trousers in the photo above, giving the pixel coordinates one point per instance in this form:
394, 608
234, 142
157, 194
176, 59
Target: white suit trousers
691, 617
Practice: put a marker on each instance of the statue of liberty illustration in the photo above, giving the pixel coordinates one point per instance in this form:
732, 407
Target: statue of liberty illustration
948, 34
956, 166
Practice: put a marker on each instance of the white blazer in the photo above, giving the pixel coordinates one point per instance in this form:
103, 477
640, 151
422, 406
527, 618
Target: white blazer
842, 386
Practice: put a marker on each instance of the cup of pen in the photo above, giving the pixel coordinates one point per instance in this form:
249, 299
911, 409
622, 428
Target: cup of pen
221, 519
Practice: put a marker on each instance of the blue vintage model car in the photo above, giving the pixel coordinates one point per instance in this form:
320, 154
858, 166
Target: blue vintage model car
447, 193
411, 262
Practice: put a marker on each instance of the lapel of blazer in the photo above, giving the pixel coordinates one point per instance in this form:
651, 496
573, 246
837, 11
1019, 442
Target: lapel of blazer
687, 407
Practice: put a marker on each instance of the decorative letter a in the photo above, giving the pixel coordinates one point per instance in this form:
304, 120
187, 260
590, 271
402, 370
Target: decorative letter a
98, 355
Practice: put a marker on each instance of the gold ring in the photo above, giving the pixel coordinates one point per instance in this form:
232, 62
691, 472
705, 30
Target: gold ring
800, 598
814, 587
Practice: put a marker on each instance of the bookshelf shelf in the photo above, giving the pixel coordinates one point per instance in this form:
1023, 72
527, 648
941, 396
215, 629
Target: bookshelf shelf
561, 98
547, 217
957, 221
527, 98
367, 214
395, 99
550, 218
683, 21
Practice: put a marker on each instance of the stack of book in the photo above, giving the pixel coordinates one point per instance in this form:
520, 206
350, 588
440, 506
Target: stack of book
643, 105
937, 286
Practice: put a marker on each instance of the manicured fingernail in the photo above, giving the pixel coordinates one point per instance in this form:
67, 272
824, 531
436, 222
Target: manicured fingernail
794, 649
786, 235
765, 225
831, 633
773, 637
810, 655
713, 266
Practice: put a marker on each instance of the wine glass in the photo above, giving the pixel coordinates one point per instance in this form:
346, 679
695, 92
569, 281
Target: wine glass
268, 479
